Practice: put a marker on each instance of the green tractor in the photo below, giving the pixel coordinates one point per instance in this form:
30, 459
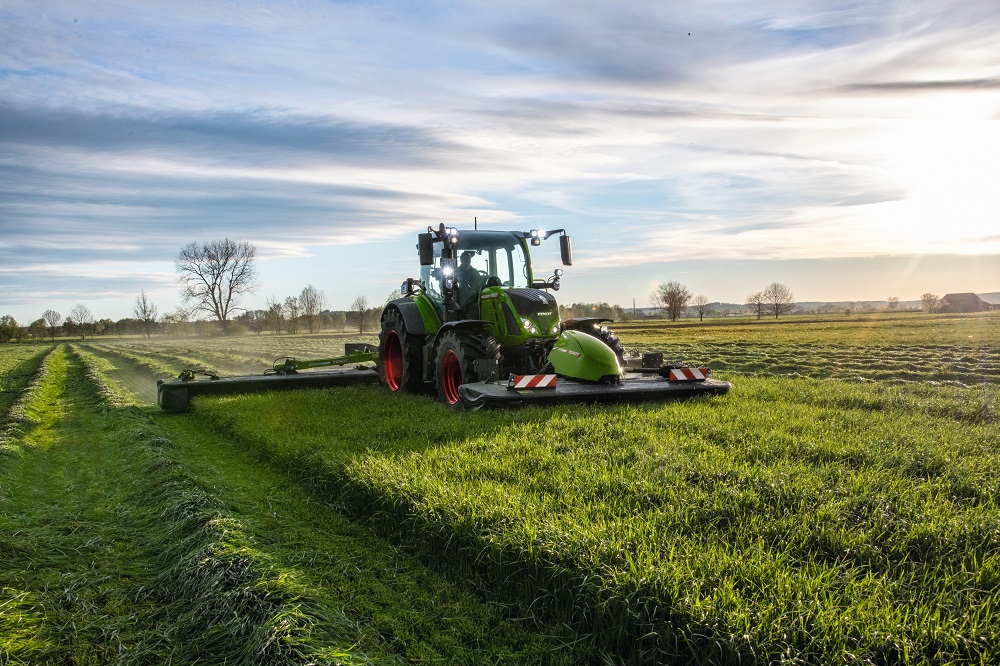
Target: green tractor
479, 315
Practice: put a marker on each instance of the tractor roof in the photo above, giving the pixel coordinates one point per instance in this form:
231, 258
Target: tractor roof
487, 240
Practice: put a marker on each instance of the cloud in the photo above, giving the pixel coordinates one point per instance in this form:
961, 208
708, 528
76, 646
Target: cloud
727, 128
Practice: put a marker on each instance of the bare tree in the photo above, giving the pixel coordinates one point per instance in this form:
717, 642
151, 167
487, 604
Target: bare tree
892, 303
700, 304
311, 302
145, 312
82, 319
216, 274
930, 302
359, 311
671, 297
779, 299
292, 313
52, 321
757, 303
275, 315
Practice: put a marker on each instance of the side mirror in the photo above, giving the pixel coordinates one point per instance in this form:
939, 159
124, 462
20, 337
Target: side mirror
425, 246
566, 250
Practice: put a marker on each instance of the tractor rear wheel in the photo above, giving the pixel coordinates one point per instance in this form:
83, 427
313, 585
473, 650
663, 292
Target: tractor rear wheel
399, 355
605, 335
608, 337
457, 352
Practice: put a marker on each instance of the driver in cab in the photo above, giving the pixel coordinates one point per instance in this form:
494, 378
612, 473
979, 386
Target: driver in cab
468, 279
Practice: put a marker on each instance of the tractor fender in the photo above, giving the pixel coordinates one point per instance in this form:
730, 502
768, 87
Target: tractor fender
410, 313
475, 325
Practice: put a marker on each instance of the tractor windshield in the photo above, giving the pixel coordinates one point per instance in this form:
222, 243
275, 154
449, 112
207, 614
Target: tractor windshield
482, 258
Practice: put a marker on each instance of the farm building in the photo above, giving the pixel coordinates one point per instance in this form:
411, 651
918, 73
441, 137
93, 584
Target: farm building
964, 303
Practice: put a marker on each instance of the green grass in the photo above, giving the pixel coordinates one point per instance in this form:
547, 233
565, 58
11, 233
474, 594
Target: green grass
129, 539
839, 505
114, 555
18, 365
823, 521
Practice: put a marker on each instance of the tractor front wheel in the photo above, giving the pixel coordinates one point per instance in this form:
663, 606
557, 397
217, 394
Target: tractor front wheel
457, 352
399, 367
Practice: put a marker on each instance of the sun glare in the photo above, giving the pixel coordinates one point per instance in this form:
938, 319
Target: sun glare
949, 168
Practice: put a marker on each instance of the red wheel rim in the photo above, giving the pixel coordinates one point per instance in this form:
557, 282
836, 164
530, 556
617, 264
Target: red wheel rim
451, 377
392, 363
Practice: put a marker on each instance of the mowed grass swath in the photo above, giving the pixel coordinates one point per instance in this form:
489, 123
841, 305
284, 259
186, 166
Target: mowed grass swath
796, 519
799, 519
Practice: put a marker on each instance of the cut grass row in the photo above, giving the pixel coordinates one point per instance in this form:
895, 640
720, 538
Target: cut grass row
792, 520
252, 571
891, 329
18, 365
112, 554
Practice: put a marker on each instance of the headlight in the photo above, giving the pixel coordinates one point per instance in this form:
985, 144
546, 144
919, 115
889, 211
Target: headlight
529, 326
555, 328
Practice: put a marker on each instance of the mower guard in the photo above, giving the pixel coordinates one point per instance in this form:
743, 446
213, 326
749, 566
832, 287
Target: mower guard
175, 395
641, 388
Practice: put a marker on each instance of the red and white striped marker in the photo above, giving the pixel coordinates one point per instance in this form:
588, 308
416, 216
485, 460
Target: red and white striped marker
688, 374
533, 381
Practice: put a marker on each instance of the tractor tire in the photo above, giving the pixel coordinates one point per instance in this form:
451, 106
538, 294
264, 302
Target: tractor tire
608, 337
400, 355
454, 364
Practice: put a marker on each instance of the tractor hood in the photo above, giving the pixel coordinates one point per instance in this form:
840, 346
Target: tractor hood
535, 303
582, 356
530, 312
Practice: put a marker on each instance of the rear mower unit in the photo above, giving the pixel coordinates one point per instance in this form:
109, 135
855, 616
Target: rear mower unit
175, 395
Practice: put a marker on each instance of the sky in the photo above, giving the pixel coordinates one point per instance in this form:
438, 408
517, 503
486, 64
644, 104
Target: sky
849, 150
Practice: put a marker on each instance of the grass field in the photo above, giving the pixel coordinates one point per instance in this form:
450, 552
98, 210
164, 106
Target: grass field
839, 505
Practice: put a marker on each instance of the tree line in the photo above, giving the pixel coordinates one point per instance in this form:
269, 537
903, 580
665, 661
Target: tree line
674, 298
215, 276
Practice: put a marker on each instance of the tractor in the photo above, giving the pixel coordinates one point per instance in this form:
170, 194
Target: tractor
478, 312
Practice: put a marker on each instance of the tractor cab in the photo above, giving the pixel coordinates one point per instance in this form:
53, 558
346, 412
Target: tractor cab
461, 268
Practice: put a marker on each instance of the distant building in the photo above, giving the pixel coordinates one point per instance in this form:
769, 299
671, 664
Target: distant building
964, 303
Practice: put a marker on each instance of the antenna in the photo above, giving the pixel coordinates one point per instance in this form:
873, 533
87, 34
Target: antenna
475, 223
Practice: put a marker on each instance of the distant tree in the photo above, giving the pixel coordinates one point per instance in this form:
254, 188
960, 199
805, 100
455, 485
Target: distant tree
292, 313
8, 328
672, 298
253, 320
930, 302
216, 274
145, 312
37, 329
311, 302
81, 319
52, 321
359, 312
275, 316
892, 303
757, 303
177, 322
779, 299
700, 304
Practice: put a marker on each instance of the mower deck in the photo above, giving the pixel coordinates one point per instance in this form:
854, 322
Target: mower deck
631, 389
175, 395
